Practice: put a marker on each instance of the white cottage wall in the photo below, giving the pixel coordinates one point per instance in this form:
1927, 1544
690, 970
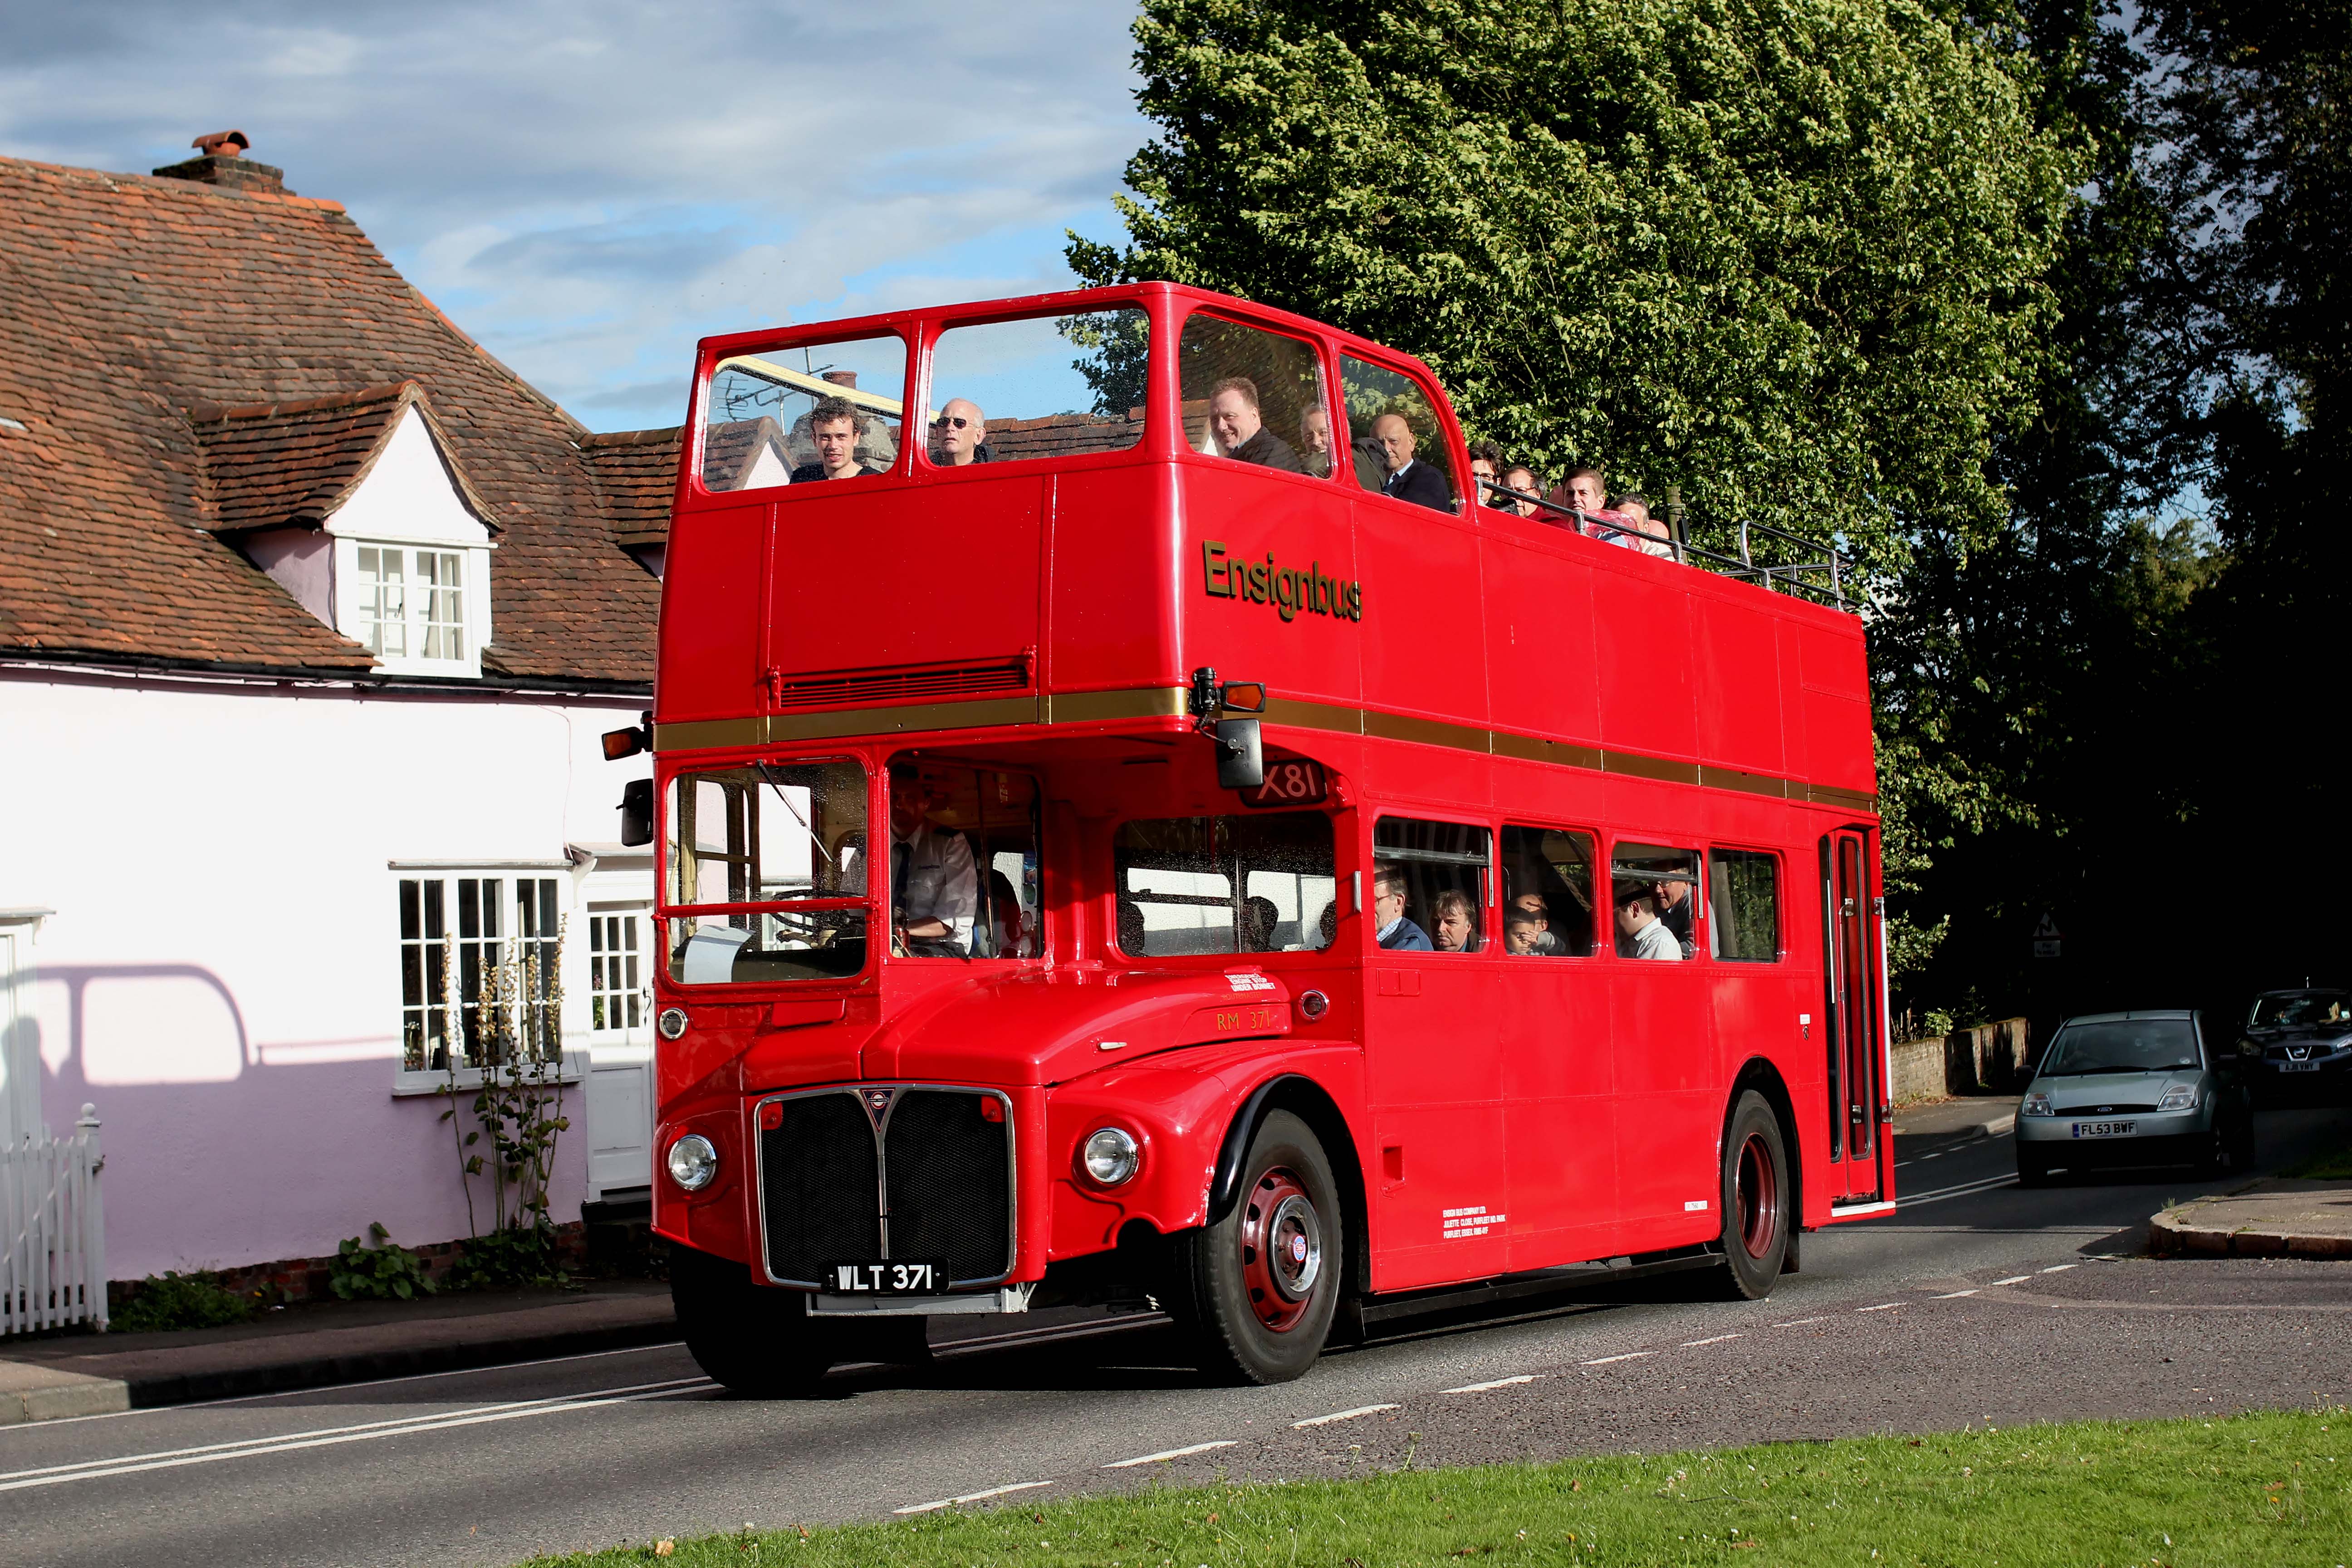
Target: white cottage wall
221, 975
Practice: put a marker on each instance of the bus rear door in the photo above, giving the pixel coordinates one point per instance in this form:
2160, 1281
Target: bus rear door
1854, 1087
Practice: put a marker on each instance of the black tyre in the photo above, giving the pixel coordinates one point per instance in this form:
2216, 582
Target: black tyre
1758, 1201
752, 1340
1256, 1290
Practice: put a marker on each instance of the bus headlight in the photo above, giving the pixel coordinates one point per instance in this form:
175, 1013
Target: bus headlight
693, 1162
1110, 1157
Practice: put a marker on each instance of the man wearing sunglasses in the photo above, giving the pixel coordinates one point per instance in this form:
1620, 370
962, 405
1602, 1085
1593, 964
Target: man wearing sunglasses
957, 434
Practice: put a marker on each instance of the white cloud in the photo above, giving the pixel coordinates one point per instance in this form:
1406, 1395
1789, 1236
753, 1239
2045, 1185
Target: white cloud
589, 187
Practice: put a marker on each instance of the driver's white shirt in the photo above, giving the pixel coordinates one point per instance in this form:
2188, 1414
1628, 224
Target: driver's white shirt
942, 883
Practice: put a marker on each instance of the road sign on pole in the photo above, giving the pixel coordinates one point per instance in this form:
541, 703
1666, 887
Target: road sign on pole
2045, 937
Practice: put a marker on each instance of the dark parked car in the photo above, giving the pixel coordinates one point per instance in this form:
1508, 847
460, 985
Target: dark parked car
2133, 1089
2297, 1046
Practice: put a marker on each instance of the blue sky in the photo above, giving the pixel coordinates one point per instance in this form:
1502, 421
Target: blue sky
588, 188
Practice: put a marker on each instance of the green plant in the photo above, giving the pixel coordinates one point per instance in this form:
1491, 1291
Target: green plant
172, 1301
378, 1273
515, 1027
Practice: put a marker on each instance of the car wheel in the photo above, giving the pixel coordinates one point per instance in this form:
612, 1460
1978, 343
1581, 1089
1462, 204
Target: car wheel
2032, 1171
1256, 1290
1759, 1202
752, 1340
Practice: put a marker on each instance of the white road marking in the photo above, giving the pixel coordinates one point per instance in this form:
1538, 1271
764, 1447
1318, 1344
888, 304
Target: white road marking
1341, 1416
1882, 1306
1693, 1345
1629, 1356
333, 1436
1964, 1189
1165, 1454
1800, 1322
1496, 1383
2059, 1268
973, 1497
2014, 1279
1950, 1294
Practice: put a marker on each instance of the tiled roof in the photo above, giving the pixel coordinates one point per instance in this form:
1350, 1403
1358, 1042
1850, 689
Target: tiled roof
272, 465
135, 310
637, 471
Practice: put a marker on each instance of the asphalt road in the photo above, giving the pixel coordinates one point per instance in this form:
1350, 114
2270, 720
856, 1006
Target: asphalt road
1976, 1302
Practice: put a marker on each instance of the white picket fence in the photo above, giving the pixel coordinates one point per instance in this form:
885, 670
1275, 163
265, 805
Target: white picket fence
53, 1231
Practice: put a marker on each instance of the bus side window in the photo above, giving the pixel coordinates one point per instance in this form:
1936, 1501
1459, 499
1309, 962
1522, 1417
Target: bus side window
1441, 868
1547, 892
1654, 901
1252, 396
1009, 391
790, 416
1260, 883
1743, 905
1393, 429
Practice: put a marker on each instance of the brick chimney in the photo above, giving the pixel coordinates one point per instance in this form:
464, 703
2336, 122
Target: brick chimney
847, 379
220, 161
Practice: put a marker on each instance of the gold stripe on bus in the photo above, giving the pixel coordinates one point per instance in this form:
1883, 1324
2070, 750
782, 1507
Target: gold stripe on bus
1101, 707
1169, 702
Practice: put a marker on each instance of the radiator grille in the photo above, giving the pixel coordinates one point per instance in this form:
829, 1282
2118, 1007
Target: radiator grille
951, 1182
819, 1198
910, 683
950, 1186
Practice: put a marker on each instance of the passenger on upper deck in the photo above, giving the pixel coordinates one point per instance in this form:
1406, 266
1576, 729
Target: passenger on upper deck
1584, 491
1458, 922
1640, 933
834, 424
934, 888
1524, 480
1651, 536
1241, 434
1314, 442
1408, 480
960, 435
1485, 467
1395, 931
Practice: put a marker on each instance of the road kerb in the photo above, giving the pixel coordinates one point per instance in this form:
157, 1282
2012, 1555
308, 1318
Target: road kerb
30, 1393
2273, 1218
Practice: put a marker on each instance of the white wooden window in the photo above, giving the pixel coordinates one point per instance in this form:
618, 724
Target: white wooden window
441, 577
615, 999
417, 608
383, 601
500, 934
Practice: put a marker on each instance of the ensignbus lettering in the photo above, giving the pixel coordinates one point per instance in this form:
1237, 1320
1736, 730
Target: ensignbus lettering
1291, 590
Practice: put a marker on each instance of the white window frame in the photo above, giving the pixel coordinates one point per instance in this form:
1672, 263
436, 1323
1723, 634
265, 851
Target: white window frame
355, 602
416, 956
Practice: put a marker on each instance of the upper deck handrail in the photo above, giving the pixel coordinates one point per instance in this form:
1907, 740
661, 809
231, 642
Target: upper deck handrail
1743, 567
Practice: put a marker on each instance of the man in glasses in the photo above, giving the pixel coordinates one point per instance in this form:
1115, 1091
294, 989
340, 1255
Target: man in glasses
959, 434
1524, 481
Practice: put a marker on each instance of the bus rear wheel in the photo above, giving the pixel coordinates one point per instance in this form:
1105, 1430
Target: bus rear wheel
1257, 1288
752, 1340
1758, 1202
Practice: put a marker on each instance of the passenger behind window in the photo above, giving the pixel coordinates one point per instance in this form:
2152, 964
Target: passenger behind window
1524, 931
836, 427
1241, 434
1259, 917
1531, 907
1408, 479
1485, 469
934, 889
1457, 922
1003, 918
1523, 480
1640, 933
960, 435
1395, 931
1314, 442
1673, 906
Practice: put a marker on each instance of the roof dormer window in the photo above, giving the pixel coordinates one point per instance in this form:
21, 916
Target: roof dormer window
410, 604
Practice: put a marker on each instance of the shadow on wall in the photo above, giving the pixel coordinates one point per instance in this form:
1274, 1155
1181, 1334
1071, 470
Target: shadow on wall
222, 1149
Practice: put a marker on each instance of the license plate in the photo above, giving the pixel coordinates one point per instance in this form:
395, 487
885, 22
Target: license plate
2298, 1067
899, 1276
2104, 1129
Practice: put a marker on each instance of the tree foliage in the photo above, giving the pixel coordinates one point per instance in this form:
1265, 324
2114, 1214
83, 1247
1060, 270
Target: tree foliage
1787, 255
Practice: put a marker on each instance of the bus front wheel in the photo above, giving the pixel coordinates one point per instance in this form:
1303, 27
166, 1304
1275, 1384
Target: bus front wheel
1758, 1202
1257, 1288
750, 1340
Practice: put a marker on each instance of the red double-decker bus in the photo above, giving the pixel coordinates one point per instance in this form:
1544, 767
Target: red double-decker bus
1133, 825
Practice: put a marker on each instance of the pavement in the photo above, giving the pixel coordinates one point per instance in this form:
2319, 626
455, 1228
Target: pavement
319, 1344
2275, 1218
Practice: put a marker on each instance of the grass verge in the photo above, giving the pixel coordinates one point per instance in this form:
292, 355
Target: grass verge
2274, 1487
2334, 1167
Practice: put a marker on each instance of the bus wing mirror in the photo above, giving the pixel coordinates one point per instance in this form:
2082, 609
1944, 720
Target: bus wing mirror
637, 812
1240, 762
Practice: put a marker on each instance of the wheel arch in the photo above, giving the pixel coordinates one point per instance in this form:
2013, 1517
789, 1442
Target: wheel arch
1759, 1074
1313, 1104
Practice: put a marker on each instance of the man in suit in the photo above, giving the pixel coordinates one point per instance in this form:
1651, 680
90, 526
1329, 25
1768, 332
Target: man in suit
1240, 430
1409, 480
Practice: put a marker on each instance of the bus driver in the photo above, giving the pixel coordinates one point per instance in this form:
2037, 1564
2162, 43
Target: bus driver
934, 889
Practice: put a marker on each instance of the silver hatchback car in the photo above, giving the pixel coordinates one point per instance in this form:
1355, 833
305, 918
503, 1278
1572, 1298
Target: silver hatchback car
2133, 1089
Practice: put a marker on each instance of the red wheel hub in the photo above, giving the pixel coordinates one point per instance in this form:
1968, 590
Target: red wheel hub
1281, 1241
1758, 1193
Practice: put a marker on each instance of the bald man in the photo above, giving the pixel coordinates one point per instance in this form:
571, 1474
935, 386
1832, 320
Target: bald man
1408, 479
957, 433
